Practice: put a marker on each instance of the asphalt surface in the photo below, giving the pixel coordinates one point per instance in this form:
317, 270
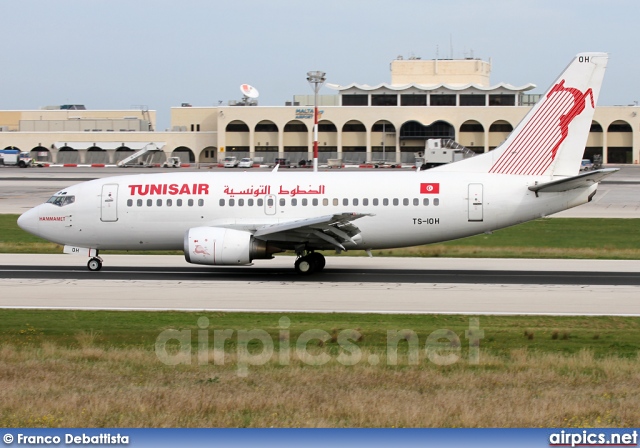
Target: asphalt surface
348, 284
329, 275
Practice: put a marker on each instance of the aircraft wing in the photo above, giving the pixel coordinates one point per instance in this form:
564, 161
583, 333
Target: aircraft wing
571, 183
334, 230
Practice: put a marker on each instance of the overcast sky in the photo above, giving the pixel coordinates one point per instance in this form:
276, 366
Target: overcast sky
116, 54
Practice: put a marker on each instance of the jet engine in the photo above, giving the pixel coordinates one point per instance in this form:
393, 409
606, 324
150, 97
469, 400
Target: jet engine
219, 246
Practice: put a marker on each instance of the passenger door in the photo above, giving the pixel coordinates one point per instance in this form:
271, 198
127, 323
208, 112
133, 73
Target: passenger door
109, 203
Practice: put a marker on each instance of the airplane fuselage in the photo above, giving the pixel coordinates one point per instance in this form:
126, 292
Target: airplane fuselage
153, 211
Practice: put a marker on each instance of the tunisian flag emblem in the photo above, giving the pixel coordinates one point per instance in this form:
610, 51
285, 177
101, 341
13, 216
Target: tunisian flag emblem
430, 188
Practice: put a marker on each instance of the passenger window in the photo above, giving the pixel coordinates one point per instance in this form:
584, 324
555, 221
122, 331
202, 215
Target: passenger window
365, 202
294, 202
159, 202
396, 201
139, 202
314, 201
232, 202
169, 202
200, 202
190, 202
240, 202
282, 202
305, 202
345, 201
129, 202
325, 202
375, 202
436, 202
416, 201
179, 202
250, 202
405, 201
385, 202
149, 202
260, 202
425, 201
355, 201
270, 202
221, 202
335, 201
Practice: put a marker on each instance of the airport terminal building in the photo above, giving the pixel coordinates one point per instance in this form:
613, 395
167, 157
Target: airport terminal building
425, 99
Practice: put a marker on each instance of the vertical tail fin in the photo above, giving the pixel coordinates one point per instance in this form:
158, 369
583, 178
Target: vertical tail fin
550, 140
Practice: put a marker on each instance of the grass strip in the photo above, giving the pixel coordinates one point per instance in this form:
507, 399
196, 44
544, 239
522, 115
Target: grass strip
100, 369
602, 335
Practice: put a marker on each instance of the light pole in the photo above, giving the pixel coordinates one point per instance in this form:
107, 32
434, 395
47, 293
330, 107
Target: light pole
316, 79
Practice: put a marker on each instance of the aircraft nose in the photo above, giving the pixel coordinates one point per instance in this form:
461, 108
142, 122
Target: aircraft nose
28, 221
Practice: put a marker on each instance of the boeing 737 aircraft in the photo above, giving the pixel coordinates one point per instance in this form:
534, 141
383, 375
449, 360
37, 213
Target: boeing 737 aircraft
234, 218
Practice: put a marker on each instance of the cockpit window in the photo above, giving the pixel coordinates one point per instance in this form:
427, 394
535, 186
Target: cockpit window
61, 201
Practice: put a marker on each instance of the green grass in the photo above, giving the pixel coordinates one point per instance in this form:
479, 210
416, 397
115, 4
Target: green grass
543, 238
604, 336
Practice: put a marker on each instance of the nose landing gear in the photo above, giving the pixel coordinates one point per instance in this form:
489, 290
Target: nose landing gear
310, 263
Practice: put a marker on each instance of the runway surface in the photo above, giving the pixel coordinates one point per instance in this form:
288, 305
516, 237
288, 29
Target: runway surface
385, 285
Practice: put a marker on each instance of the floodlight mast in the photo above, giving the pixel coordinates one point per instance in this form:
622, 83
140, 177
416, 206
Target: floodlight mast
316, 79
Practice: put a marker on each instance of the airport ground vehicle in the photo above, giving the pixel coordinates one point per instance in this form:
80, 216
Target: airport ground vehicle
597, 161
586, 165
13, 157
172, 162
440, 151
282, 162
245, 163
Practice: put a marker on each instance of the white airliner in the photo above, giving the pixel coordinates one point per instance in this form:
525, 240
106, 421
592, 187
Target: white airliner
234, 218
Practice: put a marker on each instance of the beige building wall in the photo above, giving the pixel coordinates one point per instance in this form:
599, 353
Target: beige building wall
189, 118
208, 145
397, 116
456, 71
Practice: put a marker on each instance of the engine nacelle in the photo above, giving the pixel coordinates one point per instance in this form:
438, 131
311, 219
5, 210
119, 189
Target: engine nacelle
219, 246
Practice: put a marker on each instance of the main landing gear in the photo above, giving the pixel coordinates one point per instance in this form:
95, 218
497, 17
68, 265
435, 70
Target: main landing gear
310, 263
95, 264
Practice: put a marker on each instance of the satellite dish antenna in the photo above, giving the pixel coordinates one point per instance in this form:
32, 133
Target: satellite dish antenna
249, 91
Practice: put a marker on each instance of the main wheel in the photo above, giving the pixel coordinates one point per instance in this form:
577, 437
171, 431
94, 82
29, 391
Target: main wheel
318, 260
305, 265
94, 264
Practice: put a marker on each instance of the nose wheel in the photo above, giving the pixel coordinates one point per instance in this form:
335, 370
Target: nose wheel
94, 264
310, 263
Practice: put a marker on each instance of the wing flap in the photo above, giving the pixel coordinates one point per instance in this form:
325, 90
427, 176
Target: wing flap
583, 180
334, 229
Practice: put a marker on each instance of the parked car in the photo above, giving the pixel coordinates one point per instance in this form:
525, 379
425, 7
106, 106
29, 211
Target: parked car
245, 163
230, 162
586, 165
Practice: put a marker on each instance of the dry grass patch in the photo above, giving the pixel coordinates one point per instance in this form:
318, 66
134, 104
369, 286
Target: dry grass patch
451, 250
50, 386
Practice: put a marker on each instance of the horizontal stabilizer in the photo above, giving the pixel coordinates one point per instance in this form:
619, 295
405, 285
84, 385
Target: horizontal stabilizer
583, 180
